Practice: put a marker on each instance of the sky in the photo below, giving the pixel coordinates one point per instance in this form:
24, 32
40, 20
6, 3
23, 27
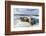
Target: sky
26, 11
